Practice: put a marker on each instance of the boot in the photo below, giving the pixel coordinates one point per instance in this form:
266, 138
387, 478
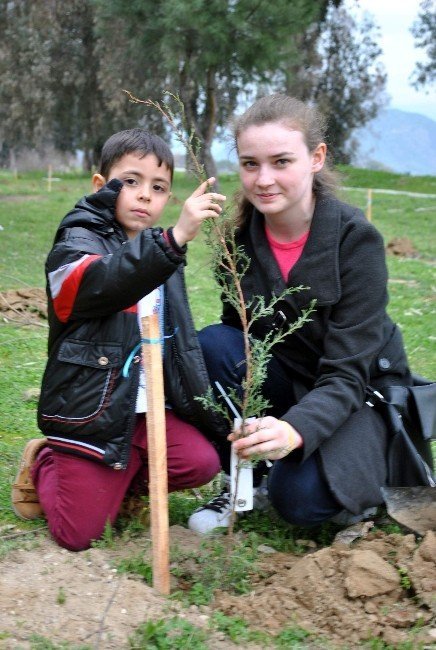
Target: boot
25, 501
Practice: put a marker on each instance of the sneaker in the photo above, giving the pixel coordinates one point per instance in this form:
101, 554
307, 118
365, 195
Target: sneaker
217, 513
25, 502
346, 518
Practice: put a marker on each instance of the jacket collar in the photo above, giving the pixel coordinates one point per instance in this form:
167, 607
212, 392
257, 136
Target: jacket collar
318, 266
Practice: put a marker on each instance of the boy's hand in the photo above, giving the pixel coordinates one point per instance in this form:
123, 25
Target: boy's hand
201, 205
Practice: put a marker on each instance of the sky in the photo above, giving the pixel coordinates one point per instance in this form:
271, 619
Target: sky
395, 17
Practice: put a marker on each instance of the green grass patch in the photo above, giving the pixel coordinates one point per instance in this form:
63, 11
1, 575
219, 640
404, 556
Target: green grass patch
356, 177
173, 634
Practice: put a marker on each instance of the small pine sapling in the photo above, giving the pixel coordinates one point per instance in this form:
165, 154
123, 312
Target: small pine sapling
230, 263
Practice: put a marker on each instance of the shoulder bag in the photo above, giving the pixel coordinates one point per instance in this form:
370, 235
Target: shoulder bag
409, 413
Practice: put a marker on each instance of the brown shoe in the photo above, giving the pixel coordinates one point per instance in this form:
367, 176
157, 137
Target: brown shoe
25, 501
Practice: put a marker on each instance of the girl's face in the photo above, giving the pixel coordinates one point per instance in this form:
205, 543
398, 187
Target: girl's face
276, 170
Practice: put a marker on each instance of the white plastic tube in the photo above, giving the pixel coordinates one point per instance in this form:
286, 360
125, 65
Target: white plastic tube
241, 494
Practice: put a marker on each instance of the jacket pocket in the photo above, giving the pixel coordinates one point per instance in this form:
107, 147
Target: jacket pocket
79, 383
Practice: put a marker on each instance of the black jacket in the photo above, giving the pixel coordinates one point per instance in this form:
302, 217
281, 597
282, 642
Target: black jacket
86, 406
349, 342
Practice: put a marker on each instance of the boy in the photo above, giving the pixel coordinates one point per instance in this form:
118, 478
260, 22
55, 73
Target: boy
110, 264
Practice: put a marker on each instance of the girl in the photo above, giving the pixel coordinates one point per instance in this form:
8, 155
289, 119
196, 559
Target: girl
327, 444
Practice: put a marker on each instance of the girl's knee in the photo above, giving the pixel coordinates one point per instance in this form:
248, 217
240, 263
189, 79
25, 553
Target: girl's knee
210, 336
299, 514
301, 497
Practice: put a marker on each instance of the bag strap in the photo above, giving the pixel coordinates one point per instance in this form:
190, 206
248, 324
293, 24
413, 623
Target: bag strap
374, 396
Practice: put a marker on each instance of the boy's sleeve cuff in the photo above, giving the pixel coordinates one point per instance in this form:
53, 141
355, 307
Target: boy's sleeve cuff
168, 234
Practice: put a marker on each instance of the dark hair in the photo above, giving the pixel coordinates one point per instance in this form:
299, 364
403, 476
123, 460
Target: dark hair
134, 141
298, 116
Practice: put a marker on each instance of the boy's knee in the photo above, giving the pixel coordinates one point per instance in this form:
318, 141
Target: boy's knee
71, 541
77, 537
205, 472
196, 471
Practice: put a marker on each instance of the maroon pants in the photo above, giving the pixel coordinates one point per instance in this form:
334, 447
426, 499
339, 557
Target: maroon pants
79, 496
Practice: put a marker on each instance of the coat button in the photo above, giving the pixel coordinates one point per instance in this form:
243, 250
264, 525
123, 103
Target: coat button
103, 361
384, 364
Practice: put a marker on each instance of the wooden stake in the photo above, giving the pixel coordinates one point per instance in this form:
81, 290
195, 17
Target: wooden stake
49, 178
157, 452
369, 205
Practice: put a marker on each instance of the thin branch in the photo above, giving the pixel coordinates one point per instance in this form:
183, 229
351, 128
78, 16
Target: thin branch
23, 533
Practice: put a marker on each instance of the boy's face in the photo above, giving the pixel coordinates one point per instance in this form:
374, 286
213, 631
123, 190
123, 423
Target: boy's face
145, 193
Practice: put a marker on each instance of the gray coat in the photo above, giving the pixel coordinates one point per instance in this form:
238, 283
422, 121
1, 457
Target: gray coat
349, 342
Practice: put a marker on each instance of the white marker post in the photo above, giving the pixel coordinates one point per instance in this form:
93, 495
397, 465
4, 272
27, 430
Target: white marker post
241, 472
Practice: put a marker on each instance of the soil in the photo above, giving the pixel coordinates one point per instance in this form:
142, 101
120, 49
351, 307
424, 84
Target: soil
380, 586
401, 247
27, 306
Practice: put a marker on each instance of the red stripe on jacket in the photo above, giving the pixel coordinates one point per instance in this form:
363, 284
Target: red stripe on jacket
64, 302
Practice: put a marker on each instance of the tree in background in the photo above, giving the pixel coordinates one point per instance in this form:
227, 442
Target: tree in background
76, 114
58, 79
25, 58
424, 31
64, 67
341, 75
211, 52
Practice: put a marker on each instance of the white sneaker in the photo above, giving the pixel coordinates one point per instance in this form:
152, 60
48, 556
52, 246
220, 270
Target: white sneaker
217, 513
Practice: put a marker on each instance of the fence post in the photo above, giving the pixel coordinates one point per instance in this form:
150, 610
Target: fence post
369, 205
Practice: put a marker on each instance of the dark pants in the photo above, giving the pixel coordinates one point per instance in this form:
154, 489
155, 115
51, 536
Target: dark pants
297, 490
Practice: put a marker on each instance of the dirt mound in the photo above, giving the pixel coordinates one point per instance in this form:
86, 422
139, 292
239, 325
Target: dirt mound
402, 247
26, 306
381, 586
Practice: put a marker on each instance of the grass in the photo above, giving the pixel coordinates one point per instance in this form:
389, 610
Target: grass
29, 216
173, 634
356, 177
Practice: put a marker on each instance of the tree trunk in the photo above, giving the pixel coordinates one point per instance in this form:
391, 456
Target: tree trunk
87, 161
13, 162
208, 161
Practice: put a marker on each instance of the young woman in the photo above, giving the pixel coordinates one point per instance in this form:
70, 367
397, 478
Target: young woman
327, 445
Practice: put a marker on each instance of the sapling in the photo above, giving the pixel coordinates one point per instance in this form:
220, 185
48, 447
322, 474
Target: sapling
229, 264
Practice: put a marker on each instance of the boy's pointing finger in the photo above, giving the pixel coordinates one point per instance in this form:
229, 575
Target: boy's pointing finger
204, 187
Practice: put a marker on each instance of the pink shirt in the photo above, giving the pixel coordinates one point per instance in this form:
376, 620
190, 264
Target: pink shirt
286, 253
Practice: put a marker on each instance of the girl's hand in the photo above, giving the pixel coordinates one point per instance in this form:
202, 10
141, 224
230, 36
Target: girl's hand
201, 205
266, 437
